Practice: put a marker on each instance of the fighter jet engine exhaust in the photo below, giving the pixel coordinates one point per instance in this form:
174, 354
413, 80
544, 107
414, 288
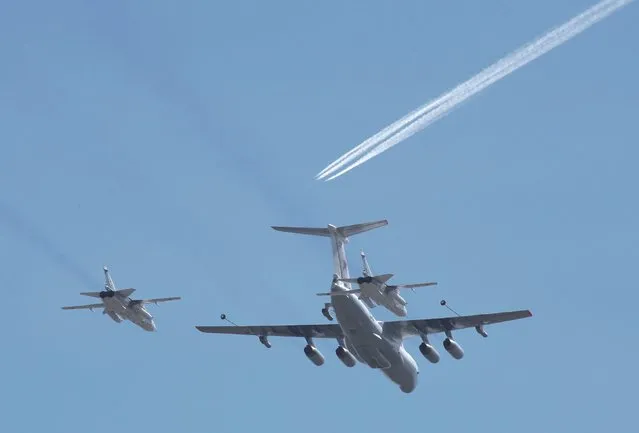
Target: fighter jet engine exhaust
446, 103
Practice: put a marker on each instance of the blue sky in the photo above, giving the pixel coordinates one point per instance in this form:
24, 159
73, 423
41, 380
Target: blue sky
165, 138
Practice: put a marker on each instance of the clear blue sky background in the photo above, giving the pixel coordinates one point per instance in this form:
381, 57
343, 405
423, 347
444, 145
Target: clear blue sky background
164, 138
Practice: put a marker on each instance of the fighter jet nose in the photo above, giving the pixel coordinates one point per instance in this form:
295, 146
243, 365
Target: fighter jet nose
149, 326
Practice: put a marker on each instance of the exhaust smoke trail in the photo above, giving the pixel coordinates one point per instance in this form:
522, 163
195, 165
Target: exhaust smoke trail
442, 106
38, 239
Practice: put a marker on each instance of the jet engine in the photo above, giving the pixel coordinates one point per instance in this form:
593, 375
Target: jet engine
314, 355
401, 300
115, 316
429, 352
345, 356
396, 296
453, 348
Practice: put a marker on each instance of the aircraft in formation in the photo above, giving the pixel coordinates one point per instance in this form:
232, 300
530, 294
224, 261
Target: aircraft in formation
360, 337
118, 305
374, 291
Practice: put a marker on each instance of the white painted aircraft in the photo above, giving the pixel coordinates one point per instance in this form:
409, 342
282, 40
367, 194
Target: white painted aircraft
119, 306
360, 337
374, 291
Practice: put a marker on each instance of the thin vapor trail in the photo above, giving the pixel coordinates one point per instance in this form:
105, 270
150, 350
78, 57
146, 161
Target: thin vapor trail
38, 239
412, 116
440, 107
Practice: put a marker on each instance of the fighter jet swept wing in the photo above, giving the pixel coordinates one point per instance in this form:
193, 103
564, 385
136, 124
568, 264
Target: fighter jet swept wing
379, 279
89, 307
156, 300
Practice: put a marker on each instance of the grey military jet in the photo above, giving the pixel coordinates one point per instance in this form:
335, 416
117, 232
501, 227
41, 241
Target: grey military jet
118, 305
374, 290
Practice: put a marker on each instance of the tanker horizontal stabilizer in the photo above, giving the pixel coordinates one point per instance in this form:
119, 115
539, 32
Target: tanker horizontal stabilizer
345, 231
82, 307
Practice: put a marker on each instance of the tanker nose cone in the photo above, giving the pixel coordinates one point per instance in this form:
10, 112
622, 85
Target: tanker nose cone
409, 386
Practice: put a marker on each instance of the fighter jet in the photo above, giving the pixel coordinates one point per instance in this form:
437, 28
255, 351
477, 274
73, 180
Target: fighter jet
119, 306
373, 290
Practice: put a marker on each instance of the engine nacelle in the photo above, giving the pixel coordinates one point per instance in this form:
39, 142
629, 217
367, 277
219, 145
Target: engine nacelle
115, 316
429, 352
453, 348
480, 331
314, 355
396, 296
264, 341
345, 356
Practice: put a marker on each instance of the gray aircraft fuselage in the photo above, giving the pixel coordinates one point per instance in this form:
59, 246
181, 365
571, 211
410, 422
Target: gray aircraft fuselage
123, 308
365, 337
366, 341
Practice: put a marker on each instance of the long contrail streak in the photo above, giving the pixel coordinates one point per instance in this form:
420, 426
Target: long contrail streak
445, 104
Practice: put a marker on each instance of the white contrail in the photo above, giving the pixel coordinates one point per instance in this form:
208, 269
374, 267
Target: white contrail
410, 117
443, 105
413, 115
540, 47
528, 52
